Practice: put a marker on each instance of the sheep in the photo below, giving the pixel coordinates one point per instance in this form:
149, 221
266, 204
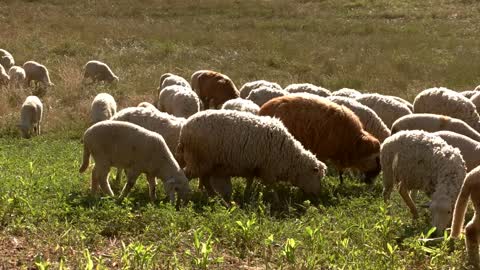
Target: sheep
217, 144
388, 109
4, 77
6, 59
249, 86
469, 93
332, 132
168, 79
469, 148
37, 73
98, 71
469, 189
17, 76
103, 108
308, 88
135, 149
240, 104
213, 88
194, 79
447, 102
178, 101
418, 160
147, 105
263, 94
370, 120
30, 117
407, 103
347, 92
432, 123
475, 99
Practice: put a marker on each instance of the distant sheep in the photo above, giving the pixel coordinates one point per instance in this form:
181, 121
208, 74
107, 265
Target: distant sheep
347, 92
240, 104
407, 103
4, 77
418, 160
469, 148
194, 79
308, 88
30, 117
263, 94
447, 102
147, 105
17, 76
388, 109
469, 93
169, 79
98, 71
103, 108
332, 132
249, 86
6, 59
136, 150
178, 101
214, 88
37, 73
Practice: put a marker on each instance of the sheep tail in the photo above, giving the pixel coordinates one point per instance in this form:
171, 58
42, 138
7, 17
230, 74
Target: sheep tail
86, 158
461, 207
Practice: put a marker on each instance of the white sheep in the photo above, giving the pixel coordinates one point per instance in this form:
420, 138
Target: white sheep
169, 79
136, 150
388, 109
263, 94
406, 102
4, 77
447, 102
37, 73
308, 88
249, 86
469, 93
370, 120
469, 148
30, 116
347, 92
17, 76
240, 104
6, 59
147, 105
97, 71
178, 101
418, 160
103, 108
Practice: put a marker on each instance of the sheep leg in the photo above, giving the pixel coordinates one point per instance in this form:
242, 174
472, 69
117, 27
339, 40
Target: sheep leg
94, 186
247, 193
472, 233
38, 129
204, 183
408, 200
223, 186
99, 177
118, 178
340, 175
132, 176
103, 181
151, 187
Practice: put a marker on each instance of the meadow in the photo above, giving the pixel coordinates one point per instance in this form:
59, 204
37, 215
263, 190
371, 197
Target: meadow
48, 220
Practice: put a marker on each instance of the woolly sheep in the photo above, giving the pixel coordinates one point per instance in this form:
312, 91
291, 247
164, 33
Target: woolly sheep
147, 105
178, 101
30, 116
103, 108
332, 132
249, 86
213, 88
347, 92
37, 73
408, 104
470, 189
447, 102
6, 59
169, 79
240, 104
370, 120
4, 77
469, 148
469, 93
17, 76
388, 109
216, 145
136, 150
418, 160
308, 88
98, 71
263, 94
434, 122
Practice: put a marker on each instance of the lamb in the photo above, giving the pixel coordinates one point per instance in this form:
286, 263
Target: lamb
418, 160
469, 148
240, 104
332, 132
470, 189
98, 71
434, 122
213, 88
4, 77
37, 73
30, 117
6, 59
308, 88
263, 94
347, 92
103, 108
136, 150
215, 145
178, 101
469, 93
249, 86
388, 109
370, 120
17, 76
447, 102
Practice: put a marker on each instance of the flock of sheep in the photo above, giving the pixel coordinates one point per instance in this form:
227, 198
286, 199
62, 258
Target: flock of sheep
206, 128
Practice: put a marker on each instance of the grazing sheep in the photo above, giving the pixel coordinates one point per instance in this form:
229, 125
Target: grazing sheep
470, 189
6, 59
215, 145
418, 160
17, 76
308, 88
37, 73
147, 105
214, 88
169, 79
240, 104
178, 101
98, 71
249, 86
469, 148
347, 92
432, 123
263, 94
408, 104
370, 120
194, 79
136, 150
469, 93
30, 116
103, 108
4, 77
388, 109
447, 102
332, 132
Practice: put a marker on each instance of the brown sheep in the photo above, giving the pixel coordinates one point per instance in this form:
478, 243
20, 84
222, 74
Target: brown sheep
331, 131
214, 88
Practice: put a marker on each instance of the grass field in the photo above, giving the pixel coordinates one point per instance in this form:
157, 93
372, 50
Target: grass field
48, 219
